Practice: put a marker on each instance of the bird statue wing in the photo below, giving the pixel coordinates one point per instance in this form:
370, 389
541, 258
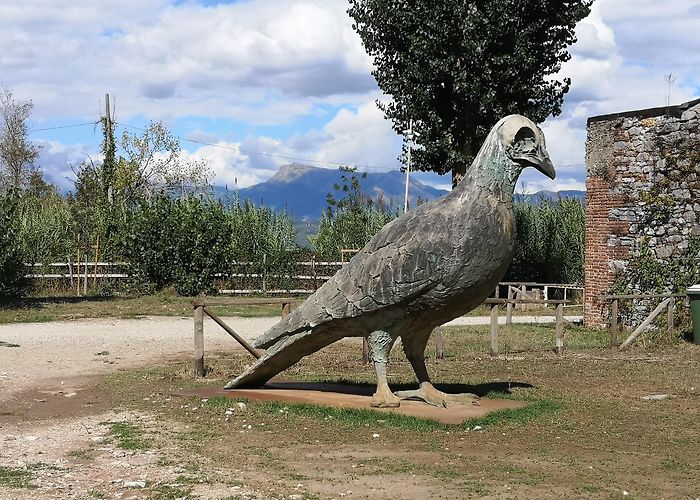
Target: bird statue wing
393, 267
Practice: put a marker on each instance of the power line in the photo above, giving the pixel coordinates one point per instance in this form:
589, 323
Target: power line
63, 126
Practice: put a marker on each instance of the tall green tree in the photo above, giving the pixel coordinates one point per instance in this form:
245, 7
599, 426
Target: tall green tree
17, 152
457, 66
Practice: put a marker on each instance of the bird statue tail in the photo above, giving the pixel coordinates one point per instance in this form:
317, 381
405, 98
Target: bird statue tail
286, 352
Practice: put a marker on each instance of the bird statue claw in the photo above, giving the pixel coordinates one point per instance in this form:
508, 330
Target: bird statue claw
429, 394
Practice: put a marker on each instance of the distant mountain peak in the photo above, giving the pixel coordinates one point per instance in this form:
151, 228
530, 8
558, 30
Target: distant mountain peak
288, 173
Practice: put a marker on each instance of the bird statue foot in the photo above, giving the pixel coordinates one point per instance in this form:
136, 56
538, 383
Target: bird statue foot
429, 394
384, 398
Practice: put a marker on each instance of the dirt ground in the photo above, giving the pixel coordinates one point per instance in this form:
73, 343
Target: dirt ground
99, 409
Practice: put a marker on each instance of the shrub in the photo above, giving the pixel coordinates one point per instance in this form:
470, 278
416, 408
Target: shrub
182, 243
12, 282
550, 242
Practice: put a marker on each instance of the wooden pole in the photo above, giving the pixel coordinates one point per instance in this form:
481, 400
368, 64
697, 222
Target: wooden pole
77, 263
365, 350
70, 271
559, 329
670, 318
313, 271
97, 255
494, 329
439, 344
252, 350
87, 271
614, 327
645, 323
509, 306
264, 274
199, 341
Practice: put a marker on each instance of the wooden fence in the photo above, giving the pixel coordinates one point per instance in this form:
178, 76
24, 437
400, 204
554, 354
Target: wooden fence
203, 306
668, 302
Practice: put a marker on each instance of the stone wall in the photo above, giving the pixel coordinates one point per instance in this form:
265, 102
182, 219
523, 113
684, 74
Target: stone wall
642, 198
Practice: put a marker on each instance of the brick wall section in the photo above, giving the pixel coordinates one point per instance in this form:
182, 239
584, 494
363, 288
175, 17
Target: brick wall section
642, 186
599, 272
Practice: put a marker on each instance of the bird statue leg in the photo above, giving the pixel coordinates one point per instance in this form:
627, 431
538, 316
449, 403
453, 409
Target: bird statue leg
414, 347
380, 344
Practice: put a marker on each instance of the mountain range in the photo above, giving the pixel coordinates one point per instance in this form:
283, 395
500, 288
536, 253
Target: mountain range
301, 190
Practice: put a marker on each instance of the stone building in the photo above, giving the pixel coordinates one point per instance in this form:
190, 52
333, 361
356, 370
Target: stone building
642, 202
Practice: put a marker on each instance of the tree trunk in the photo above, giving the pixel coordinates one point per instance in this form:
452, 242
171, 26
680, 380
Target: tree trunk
460, 170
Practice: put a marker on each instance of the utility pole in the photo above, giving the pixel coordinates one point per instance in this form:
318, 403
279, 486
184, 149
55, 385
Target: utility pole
409, 135
108, 143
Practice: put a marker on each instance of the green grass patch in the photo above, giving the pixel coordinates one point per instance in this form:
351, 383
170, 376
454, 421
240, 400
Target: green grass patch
12, 477
128, 436
357, 417
516, 416
81, 454
170, 492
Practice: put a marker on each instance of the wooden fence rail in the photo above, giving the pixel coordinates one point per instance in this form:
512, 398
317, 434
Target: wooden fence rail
202, 307
509, 302
668, 302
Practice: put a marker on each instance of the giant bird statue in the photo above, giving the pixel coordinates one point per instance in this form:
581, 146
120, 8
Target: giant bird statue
425, 268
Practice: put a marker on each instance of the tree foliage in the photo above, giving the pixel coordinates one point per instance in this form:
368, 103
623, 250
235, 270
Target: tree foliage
152, 162
12, 281
457, 67
351, 218
17, 152
177, 242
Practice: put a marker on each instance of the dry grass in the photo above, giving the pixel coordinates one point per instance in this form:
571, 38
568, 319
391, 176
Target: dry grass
589, 436
43, 309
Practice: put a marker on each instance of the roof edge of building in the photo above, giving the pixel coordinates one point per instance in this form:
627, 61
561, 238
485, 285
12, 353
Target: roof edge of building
674, 111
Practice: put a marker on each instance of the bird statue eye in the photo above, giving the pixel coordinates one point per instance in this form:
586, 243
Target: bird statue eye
524, 142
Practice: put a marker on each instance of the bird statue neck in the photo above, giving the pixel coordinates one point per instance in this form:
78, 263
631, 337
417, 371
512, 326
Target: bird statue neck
494, 171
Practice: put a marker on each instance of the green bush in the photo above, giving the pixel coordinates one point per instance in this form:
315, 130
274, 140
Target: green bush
12, 282
45, 228
264, 238
180, 243
348, 229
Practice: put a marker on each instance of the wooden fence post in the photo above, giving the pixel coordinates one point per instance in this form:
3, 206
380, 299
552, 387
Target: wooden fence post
439, 344
559, 329
264, 274
365, 350
509, 306
313, 271
70, 271
286, 307
633, 336
669, 316
494, 329
87, 271
614, 327
199, 340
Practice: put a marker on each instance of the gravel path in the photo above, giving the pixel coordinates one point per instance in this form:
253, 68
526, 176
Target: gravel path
50, 353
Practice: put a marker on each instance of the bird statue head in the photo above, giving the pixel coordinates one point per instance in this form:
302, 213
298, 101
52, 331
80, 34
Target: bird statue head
513, 144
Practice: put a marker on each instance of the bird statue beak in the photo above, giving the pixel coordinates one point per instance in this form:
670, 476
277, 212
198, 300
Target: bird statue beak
545, 166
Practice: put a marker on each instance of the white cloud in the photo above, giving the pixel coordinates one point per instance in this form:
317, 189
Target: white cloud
261, 61
362, 137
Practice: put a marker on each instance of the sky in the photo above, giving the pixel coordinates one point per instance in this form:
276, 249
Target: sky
266, 82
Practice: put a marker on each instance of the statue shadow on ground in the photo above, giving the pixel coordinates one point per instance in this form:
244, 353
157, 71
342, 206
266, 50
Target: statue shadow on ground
364, 389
